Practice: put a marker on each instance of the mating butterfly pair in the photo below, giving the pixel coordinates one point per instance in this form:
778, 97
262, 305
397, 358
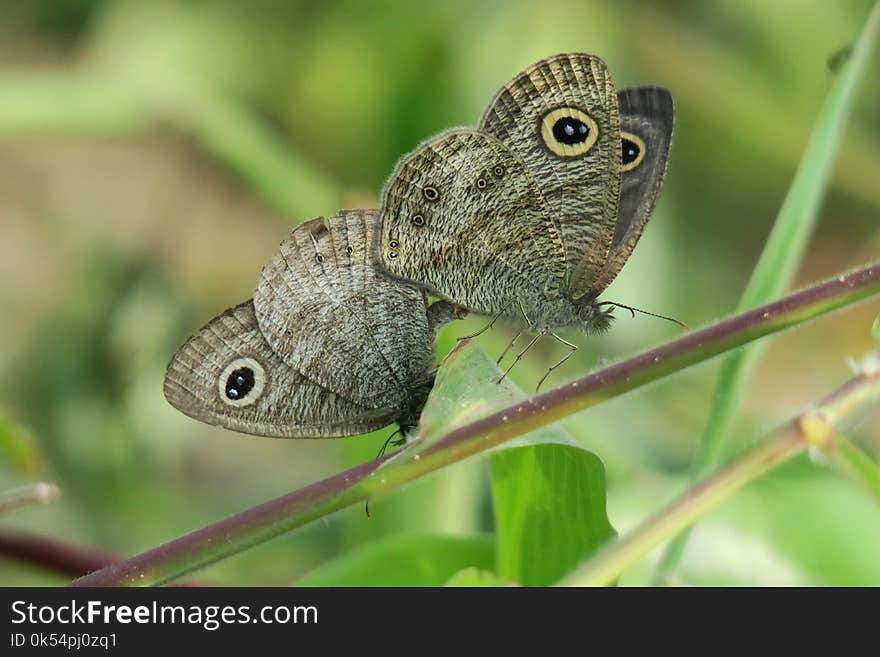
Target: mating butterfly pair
530, 216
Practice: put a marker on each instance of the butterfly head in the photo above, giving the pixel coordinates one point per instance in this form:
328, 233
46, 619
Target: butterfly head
593, 318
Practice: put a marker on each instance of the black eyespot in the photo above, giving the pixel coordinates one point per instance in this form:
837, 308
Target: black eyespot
393, 244
498, 171
392, 254
240, 383
319, 257
431, 193
349, 249
629, 151
418, 220
569, 130
481, 183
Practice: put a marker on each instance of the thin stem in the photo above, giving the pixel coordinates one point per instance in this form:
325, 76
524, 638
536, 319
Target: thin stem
17, 498
59, 556
816, 427
52, 554
238, 532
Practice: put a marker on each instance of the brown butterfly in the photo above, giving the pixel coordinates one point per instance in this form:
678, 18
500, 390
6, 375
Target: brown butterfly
329, 346
532, 214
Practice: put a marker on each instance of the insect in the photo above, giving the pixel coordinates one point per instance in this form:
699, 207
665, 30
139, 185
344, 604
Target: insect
531, 215
329, 346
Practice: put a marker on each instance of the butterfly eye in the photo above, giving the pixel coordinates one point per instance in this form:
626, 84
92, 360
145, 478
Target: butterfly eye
431, 193
481, 183
632, 151
349, 249
319, 257
392, 254
418, 220
568, 131
242, 381
393, 244
498, 171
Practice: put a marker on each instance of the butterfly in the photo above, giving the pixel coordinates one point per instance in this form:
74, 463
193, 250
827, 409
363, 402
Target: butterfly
532, 214
327, 347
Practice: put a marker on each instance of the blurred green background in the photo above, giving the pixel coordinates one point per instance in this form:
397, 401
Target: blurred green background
153, 154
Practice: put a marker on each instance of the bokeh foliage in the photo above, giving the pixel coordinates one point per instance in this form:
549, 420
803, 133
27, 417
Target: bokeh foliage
153, 154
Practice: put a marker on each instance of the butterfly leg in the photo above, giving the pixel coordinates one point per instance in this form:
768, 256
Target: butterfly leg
519, 356
389, 441
509, 345
484, 329
569, 355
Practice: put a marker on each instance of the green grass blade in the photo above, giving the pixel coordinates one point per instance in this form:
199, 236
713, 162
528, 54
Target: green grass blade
784, 250
16, 450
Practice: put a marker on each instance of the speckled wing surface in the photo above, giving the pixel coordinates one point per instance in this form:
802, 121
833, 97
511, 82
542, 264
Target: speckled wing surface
560, 117
463, 217
647, 115
326, 311
228, 375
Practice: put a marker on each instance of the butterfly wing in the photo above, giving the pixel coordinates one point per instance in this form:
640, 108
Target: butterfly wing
327, 312
228, 375
646, 121
462, 216
560, 117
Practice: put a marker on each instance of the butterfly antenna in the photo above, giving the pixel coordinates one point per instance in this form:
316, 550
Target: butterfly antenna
633, 311
378, 456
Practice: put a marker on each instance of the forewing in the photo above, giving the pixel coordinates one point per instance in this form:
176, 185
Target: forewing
560, 117
462, 216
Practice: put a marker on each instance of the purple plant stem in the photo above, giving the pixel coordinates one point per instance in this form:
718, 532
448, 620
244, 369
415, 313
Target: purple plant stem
59, 556
53, 554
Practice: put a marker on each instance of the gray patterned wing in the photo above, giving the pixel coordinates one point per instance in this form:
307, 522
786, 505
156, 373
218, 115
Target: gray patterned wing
461, 216
228, 375
646, 121
560, 117
329, 313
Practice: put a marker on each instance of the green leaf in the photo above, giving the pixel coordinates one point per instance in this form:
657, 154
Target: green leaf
477, 577
822, 523
875, 329
785, 247
466, 390
549, 511
408, 560
548, 491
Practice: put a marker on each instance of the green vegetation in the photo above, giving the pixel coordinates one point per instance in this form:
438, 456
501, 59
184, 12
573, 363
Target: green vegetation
152, 156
